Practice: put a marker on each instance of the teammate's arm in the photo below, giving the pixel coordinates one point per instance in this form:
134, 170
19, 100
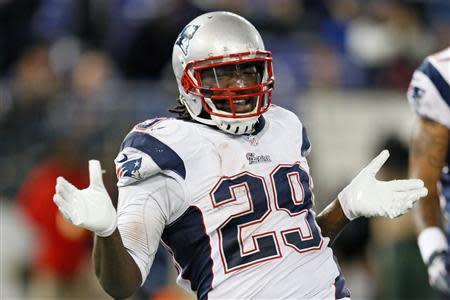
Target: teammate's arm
429, 144
428, 151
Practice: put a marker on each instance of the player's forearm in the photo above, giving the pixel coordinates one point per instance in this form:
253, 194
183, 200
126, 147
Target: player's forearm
332, 220
116, 270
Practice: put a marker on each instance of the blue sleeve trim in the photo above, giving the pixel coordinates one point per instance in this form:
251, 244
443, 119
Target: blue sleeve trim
437, 79
190, 247
162, 155
341, 291
306, 145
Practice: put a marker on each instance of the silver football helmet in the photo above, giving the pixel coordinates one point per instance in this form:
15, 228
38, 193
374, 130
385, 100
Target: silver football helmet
223, 72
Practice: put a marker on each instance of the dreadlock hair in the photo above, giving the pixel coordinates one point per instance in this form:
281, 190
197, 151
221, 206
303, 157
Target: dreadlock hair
181, 111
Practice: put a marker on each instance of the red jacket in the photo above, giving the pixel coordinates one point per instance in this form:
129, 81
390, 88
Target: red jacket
53, 252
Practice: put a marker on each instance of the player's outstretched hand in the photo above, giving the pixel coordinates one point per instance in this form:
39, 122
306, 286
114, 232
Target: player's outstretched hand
366, 196
438, 271
90, 208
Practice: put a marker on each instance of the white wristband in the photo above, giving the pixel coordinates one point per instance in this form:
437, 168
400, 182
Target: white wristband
430, 240
108, 231
345, 201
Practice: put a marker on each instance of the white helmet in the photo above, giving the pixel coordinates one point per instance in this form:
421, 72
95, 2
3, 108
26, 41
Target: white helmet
214, 40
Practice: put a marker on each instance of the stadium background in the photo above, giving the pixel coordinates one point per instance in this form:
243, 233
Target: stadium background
75, 76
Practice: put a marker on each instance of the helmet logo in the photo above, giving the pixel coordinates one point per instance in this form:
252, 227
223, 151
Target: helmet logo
185, 37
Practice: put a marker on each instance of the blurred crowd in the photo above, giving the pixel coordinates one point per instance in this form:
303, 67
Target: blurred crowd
84, 71
75, 76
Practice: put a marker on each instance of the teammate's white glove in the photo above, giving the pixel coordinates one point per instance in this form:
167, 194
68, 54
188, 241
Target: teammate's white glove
90, 208
434, 249
366, 196
438, 271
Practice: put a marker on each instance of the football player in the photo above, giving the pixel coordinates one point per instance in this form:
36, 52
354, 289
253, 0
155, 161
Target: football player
226, 186
429, 96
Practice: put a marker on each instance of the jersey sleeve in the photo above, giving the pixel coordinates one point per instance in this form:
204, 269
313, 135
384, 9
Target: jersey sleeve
143, 211
429, 92
148, 150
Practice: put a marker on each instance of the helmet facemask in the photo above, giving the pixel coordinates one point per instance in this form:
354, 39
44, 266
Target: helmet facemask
234, 90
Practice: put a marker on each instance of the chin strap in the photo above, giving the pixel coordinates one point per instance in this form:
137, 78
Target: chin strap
236, 127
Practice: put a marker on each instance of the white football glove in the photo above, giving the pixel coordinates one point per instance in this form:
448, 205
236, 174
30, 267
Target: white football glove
434, 249
90, 208
438, 272
366, 196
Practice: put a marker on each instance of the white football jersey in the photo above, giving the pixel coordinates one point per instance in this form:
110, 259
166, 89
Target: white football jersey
429, 91
235, 212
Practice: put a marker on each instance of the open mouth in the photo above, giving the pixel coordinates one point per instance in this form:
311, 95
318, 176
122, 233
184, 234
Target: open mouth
240, 105
242, 102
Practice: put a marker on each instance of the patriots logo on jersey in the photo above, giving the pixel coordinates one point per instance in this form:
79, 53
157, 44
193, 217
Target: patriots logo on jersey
129, 168
185, 37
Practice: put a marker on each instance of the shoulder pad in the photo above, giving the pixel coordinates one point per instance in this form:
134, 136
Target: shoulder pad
291, 121
286, 116
145, 152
